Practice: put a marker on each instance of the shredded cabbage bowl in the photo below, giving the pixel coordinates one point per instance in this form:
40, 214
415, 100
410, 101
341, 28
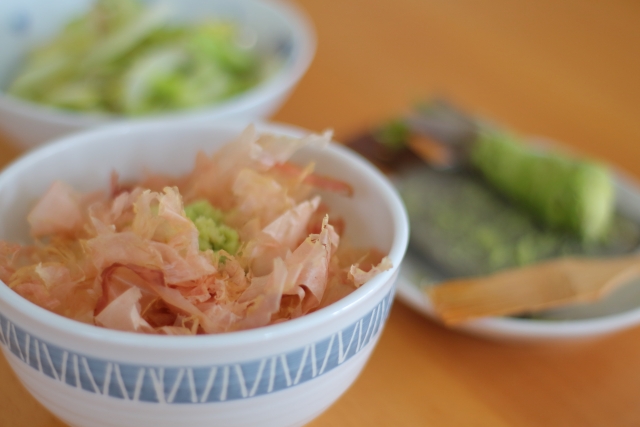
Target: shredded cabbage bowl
123, 57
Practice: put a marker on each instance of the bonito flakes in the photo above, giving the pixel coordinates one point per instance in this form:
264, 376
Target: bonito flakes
242, 241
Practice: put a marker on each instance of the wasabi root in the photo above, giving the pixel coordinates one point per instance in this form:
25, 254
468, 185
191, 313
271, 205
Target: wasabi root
561, 192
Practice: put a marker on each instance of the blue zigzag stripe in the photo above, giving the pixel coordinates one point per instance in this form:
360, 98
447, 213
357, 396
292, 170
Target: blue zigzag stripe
193, 384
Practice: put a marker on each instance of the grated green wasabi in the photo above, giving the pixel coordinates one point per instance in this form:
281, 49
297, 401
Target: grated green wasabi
562, 192
468, 229
213, 233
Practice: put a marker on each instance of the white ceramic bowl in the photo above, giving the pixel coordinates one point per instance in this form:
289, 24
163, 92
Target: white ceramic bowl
280, 375
280, 28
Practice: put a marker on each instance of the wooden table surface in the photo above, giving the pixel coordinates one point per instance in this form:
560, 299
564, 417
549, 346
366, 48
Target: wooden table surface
567, 69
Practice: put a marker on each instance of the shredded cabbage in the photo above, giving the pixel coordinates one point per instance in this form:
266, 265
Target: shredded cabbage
123, 58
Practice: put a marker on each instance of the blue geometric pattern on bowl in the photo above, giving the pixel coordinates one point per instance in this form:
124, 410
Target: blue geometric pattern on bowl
180, 385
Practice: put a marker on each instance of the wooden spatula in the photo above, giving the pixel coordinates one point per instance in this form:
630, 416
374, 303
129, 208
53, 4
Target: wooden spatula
529, 289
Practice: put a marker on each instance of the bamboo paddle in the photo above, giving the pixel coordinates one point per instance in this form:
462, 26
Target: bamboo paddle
546, 285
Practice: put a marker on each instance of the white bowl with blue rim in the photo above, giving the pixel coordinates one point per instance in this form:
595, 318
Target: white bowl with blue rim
279, 28
280, 375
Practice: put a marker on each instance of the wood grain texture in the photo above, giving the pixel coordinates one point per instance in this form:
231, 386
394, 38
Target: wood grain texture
564, 69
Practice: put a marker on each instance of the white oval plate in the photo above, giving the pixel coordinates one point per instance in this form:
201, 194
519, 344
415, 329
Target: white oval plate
617, 312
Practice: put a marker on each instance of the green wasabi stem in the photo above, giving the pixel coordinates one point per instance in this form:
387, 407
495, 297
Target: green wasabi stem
212, 232
559, 191
394, 134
